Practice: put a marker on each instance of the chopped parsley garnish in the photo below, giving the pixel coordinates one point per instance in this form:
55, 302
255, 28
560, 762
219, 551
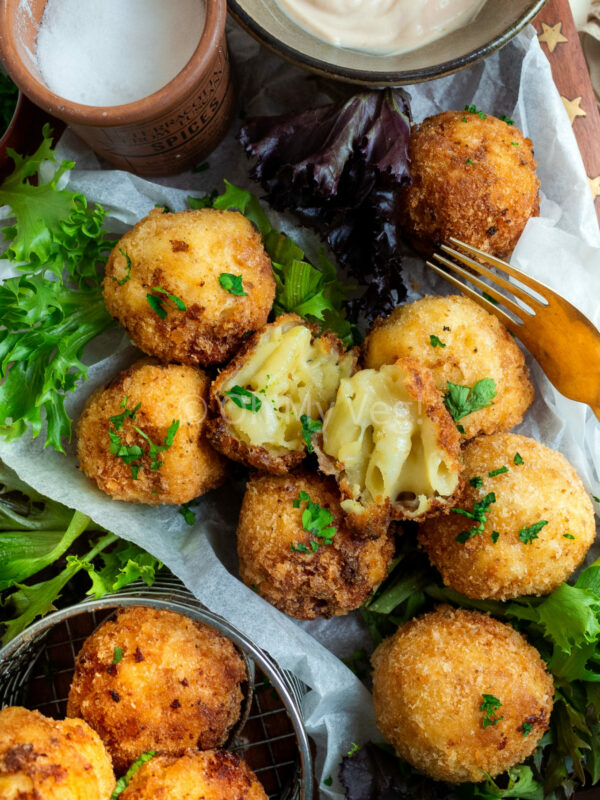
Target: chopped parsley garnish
495, 536
463, 400
489, 298
118, 655
135, 468
526, 728
460, 429
299, 548
478, 515
518, 459
309, 426
474, 110
201, 167
568, 536
119, 419
127, 269
154, 450
127, 453
476, 482
515, 144
354, 749
315, 520
328, 781
232, 284
468, 161
527, 535
435, 341
499, 471
506, 119
123, 782
489, 707
156, 303
244, 399
597, 499
186, 511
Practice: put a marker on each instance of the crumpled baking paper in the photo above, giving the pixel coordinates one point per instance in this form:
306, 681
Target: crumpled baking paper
561, 248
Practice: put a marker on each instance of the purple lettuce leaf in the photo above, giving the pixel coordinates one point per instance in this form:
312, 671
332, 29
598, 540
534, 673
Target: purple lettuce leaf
339, 168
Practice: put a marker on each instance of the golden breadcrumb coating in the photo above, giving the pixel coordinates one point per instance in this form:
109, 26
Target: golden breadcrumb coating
166, 393
176, 686
291, 368
544, 488
429, 683
473, 179
391, 445
335, 579
211, 775
477, 346
185, 254
43, 758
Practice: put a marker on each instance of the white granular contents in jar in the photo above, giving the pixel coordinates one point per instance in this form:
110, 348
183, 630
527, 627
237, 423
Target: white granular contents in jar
110, 52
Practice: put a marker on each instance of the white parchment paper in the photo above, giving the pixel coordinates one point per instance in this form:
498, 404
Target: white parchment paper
562, 248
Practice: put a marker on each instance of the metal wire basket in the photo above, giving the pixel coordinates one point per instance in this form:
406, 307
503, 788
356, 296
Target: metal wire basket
36, 669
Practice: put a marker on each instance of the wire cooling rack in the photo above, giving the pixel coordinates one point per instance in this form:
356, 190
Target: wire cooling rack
36, 670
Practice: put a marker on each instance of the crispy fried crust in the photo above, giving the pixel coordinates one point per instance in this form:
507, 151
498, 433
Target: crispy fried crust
51, 759
473, 179
374, 518
176, 687
220, 431
334, 580
477, 346
184, 254
545, 487
190, 466
211, 775
428, 684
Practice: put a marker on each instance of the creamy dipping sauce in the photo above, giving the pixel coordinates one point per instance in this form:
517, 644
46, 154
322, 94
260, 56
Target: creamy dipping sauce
381, 26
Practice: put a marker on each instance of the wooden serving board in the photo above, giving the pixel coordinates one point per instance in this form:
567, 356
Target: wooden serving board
560, 41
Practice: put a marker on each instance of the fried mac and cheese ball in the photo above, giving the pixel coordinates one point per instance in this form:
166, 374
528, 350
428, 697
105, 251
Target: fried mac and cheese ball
142, 437
210, 279
533, 534
51, 759
474, 178
459, 694
297, 552
391, 445
156, 680
287, 370
211, 775
461, 343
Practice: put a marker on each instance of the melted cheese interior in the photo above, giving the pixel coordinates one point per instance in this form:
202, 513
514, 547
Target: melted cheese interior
292, 376
387, 446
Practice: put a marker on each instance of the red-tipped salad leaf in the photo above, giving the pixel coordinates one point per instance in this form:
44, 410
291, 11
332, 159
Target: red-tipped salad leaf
339, 167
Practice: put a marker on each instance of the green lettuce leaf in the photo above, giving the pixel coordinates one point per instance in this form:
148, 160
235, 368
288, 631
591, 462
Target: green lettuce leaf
54, 229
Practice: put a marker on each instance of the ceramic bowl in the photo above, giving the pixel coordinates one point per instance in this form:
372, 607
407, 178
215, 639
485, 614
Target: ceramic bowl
496, 23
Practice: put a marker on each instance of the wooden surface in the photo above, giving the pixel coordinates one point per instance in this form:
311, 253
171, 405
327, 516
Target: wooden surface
560, 42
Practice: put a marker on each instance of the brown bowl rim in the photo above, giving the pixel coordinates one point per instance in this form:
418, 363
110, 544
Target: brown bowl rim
162, 101
374, 77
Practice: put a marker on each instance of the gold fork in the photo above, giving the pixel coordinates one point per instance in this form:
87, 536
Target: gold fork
564, 341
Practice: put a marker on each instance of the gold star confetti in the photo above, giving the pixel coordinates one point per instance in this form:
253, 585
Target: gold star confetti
595, 186
552, 35
573, 108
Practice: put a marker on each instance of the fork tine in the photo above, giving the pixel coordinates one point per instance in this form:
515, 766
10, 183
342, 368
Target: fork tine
523, 295
522, 277
507, 321
516, 310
